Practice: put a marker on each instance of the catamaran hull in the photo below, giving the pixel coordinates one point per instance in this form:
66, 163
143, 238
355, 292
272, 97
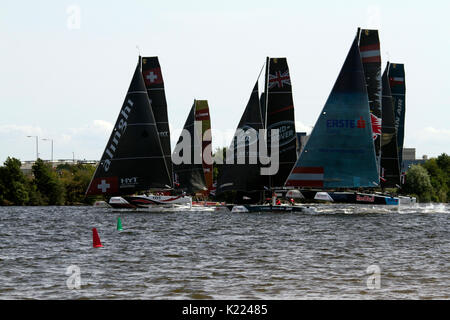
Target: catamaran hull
407, 201
355, 198
360, 198
133, 202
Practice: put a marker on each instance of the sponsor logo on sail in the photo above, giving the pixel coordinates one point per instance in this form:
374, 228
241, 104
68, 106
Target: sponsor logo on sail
286, 132
346, 123
376, 126
128, 182
398, 111
119, 130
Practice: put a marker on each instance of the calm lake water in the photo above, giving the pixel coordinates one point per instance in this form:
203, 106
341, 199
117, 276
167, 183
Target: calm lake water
323, 253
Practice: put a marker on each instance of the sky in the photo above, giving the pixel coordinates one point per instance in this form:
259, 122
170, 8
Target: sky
65, 66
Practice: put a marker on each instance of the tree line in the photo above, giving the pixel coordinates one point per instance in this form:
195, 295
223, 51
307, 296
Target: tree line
429, 181
66, 184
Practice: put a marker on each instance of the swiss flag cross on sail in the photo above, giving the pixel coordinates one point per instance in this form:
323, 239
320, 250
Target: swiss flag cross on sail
108, 185
152, 76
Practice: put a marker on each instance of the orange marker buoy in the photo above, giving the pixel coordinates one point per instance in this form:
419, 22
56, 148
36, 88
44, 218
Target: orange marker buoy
96, 239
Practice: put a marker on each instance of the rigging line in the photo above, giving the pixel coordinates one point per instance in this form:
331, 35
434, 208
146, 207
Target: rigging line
358, 35
262, 68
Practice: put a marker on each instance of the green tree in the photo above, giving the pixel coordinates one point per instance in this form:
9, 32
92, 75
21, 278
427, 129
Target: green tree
13, 183
47, 184
2, 186
438, 181
219, 155
443, 162
418, 183
76, 180
36, 198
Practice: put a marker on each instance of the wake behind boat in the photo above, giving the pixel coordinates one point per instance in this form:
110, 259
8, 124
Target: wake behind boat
265, 208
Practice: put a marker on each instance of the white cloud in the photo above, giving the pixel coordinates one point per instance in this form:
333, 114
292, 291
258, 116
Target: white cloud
431, 141
301, 127
97, 127
432, 135
86, 142
14, 129
103, 125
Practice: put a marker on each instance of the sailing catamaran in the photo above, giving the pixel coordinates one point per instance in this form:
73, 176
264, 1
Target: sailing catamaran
395, 80
137, 155
243, 175
194, 174
389, 169
340, 152
273, 110
369, 48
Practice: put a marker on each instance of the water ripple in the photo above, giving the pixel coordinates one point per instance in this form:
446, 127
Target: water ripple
321, 254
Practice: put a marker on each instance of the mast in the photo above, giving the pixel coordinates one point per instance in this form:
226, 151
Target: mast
266, 90
340, 152
264, 115
390, 171
133, 159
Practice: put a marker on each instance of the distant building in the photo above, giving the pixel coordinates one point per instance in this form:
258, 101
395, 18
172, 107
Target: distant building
409, 159
27, 166
409, 153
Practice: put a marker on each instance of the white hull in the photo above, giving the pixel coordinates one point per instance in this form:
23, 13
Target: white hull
407, 201
150, 202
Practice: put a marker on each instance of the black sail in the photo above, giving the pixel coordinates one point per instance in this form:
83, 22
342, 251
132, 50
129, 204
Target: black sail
133, 159
340, 152
396, 74
390, 170
154, 82
245, 176
189, 177
280, 115
369, 47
